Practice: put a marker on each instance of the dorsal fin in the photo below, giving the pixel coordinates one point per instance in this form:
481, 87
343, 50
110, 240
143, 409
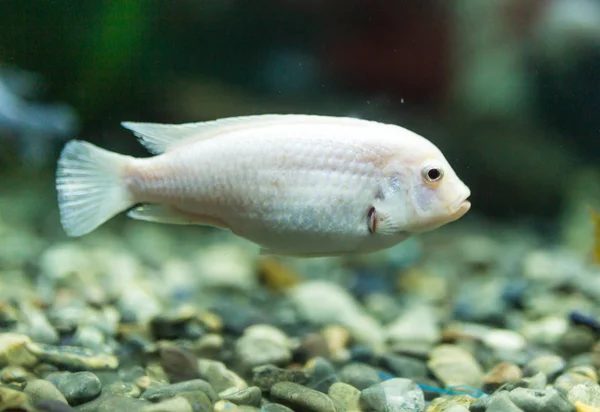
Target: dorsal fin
159, 138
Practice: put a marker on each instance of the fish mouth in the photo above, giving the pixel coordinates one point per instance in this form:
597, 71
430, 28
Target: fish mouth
460, 207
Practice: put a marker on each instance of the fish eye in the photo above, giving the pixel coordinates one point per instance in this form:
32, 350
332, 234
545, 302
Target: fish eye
433, 174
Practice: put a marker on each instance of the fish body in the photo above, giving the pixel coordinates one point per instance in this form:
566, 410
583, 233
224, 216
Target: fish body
294, 184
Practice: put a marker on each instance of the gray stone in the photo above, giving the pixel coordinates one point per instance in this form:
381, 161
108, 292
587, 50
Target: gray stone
404, 366
169, 391
537, 381
268, 375
176, 404
549, 365
347, 396
42, 390
73, 358
301, 398
322, 374
453, 365
262, 345
50, 405
179, 364
501, 374
587, 393
219, 377
500, 402
80, 387
359, 375
531, 400
325, 303
275, 407
198, 400
250, 396
414, 331
394, 395
116, 396
89, 337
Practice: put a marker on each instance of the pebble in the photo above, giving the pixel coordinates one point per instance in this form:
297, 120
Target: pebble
414, 331
176, 404
587, 393
501, 374
11, 399
179, 364
50, 405
581, 407
80, 387
504, 340
549, 365
346, 395
275, 407
268, 375
199, 401
453, 403
16, 374
250, 396
43, 390
236, 272
219, 377
322, 374
300, 398
168, 391
453, 365
359, 375
540, 400
73, 358
577, 339
117, 396
261, 345
326, 303
575, 376
89, 337
180, 323
394, 395
501, 402
404, 366
15, 350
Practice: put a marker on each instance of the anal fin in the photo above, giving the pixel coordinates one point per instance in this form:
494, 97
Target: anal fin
166, 214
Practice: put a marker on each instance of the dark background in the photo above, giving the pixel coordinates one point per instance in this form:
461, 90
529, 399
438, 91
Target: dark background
509, 90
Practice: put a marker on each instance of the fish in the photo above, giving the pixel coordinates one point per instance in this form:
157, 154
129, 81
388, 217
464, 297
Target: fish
294, 184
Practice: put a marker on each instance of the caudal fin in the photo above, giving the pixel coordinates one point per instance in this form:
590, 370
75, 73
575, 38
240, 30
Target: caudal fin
90, 186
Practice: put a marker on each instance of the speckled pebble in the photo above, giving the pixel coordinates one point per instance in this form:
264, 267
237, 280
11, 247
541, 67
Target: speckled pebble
300, 398
587, 393
502, 373
394, 395
549, 365
250, 396
359, 375
80, 387
545, 400
50, 405
266, 376
176, 404
453, 365
179, 364
42, 390
261, 345
168, 391
501, 402
347, 396
220, 378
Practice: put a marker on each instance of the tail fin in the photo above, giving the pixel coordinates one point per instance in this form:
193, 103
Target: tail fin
90, 186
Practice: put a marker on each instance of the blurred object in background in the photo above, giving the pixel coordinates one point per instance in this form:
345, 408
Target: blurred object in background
31, 125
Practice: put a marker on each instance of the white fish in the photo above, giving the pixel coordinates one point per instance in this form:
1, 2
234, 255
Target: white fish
297, 185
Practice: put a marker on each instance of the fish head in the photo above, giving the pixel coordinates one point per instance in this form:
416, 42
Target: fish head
422, 193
